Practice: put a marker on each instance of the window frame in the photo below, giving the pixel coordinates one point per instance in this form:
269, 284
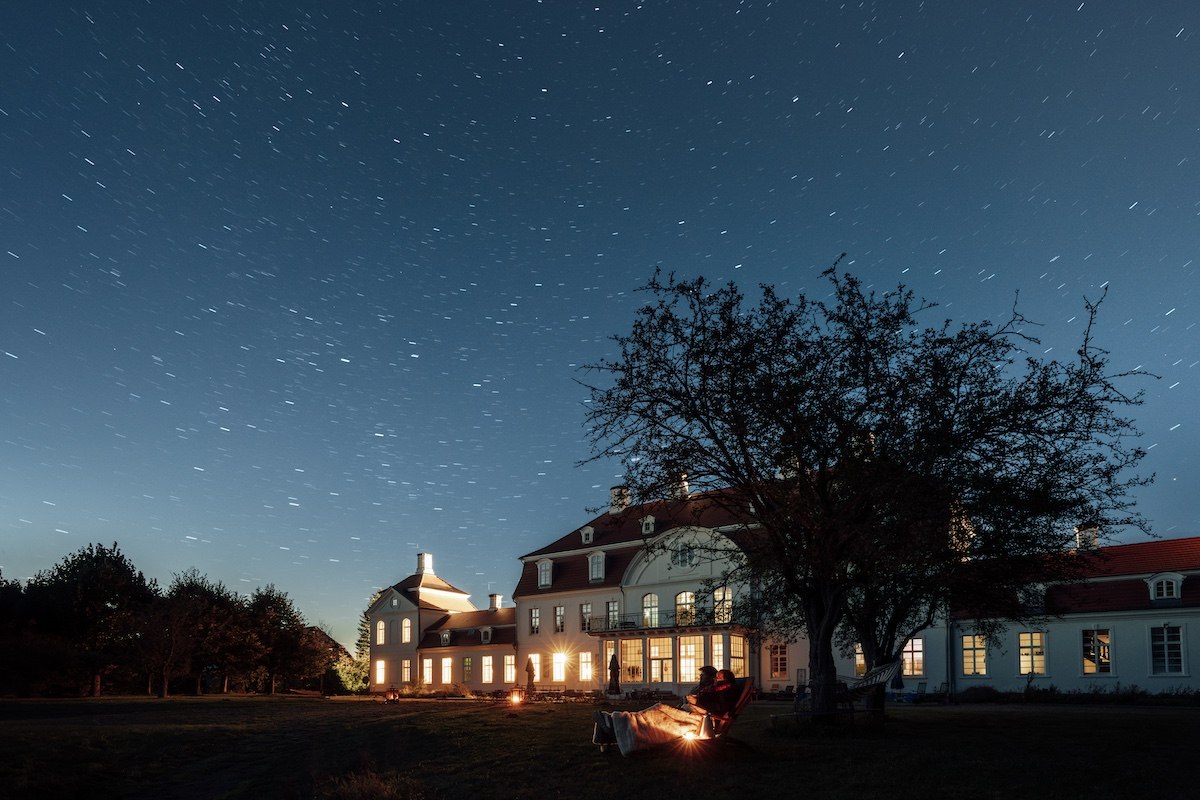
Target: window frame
978, 649
1170, 647
650, 610
913, 651
1100, 651
596, 567
1031, 653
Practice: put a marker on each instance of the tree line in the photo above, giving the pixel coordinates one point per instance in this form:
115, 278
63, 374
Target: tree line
93, 623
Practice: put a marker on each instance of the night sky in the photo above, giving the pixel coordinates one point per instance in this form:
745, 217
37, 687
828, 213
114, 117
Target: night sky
294, 291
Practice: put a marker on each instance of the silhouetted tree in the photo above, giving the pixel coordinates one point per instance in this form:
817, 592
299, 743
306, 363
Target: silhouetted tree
281, 631
93, 600
884, 469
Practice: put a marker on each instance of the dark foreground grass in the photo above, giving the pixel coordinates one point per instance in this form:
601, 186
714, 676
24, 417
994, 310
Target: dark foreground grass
263, 748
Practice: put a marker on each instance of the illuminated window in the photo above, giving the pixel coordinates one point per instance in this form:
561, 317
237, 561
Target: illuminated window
380, 672
536, 658
974, 654
485, 665
914, 658
1166, 650
447, 670
649, 611
737, 656
427, 671
544, 569
691, 655
510, 669
662, 661
860, 661
1031, 652
685, 608
596, 567
585, 617
380, 628
631, 659
406, 631
466, 669
718, 651
585, 667
1097, 657
560, 619
777, 656
912, 655
722, 605
406, 671
535, 620
558, 667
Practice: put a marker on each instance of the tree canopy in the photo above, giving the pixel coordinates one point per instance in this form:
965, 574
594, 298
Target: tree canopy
887, 469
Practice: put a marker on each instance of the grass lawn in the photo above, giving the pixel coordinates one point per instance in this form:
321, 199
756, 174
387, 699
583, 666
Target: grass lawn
287, 747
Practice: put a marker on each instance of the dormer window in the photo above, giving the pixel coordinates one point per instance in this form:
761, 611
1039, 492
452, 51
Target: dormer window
647, 525
545, 569
445, 638
586, 533
485, 635
596, 567
1165, 588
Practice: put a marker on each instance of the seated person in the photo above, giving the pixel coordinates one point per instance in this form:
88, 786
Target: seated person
660, 723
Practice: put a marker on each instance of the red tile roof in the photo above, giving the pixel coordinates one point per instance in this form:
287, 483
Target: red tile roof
626, 527
1114, 578
1144, 558
464, 629
620, 537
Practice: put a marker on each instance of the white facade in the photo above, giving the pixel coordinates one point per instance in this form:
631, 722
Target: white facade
643, 584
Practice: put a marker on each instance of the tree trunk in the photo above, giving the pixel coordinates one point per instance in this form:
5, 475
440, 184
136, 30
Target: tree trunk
821, 664
165, 689
95, 684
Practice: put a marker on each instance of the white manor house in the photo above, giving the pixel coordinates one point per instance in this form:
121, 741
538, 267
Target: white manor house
599, 590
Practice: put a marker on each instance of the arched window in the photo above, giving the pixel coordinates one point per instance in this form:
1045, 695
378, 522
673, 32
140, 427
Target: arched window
406, 631
650, 611
722, 605
380, 628
545, 569
596, 567
685, 608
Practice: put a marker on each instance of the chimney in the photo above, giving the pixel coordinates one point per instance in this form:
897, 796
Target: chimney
425, 564
682, 490
618, 499
1087, 536
493, 602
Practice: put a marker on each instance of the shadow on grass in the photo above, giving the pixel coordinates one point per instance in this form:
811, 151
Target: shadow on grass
263, 748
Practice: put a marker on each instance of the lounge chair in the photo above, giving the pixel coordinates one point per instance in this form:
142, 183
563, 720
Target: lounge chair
915, 696
719, 724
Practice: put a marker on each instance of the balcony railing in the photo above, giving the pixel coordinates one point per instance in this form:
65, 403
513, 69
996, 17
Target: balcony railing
681, 618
